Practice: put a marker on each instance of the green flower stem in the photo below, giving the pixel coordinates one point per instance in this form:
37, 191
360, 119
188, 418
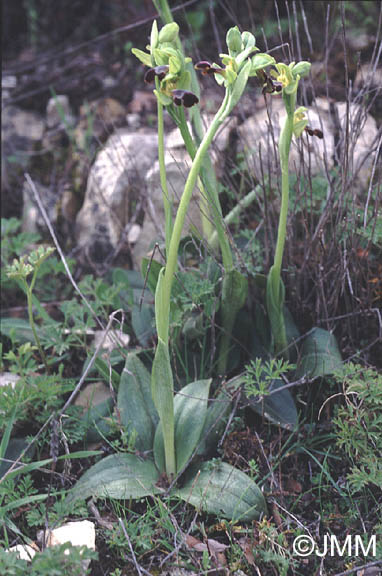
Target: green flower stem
29, 291
275, 289
163, 180
284, 144
172, 259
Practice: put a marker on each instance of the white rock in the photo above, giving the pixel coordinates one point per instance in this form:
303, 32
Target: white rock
153, 225
59, 112
77, 533
8, 378
368, 76
116, 176
363, 133
259, 137
94, 393
134, 233
23, 551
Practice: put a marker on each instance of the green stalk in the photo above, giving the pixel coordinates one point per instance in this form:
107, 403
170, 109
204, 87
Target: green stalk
275, 288
172, 259
284, 145
29, 291
163, 180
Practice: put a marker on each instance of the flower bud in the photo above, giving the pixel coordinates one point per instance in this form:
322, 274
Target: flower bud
169, 33
233, 40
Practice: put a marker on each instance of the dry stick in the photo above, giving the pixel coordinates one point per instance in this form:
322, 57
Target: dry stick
97, 39
371, 183
139, 568
62, 256
58, 247
356, 568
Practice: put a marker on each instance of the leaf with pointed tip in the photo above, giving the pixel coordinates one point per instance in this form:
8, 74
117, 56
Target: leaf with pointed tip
135, 403
162, 389
320, 355
150, 270
96, 426
119, 476
19, 328
190, 411
279, 408
223, 490
142, 323
216, 420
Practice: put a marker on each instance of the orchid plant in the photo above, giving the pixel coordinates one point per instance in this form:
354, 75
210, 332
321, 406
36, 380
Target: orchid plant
172, 431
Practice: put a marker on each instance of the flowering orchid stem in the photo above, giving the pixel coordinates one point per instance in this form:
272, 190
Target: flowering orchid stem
163, 179
275, 287
172, 259
29, 292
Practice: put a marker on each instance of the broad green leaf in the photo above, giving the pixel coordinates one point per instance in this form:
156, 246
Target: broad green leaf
120, 476
278, 408
131, 278
223, 490
20, 328
162, 389
97, 427
275, 309
154, 267
14, 448
135, 403
103, 369
142, 323
190, 410
320, 355
216, 419
7, 432
292, 335
235, 290
161, 320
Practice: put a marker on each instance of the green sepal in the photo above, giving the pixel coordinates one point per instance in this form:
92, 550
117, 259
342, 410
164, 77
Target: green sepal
154, 36
233, 41
238, 88
142, 56
260, 61
301, 69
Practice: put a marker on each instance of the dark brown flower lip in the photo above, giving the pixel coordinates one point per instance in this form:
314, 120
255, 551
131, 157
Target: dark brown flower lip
159, 72
184, 97
314, 132
206, 68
